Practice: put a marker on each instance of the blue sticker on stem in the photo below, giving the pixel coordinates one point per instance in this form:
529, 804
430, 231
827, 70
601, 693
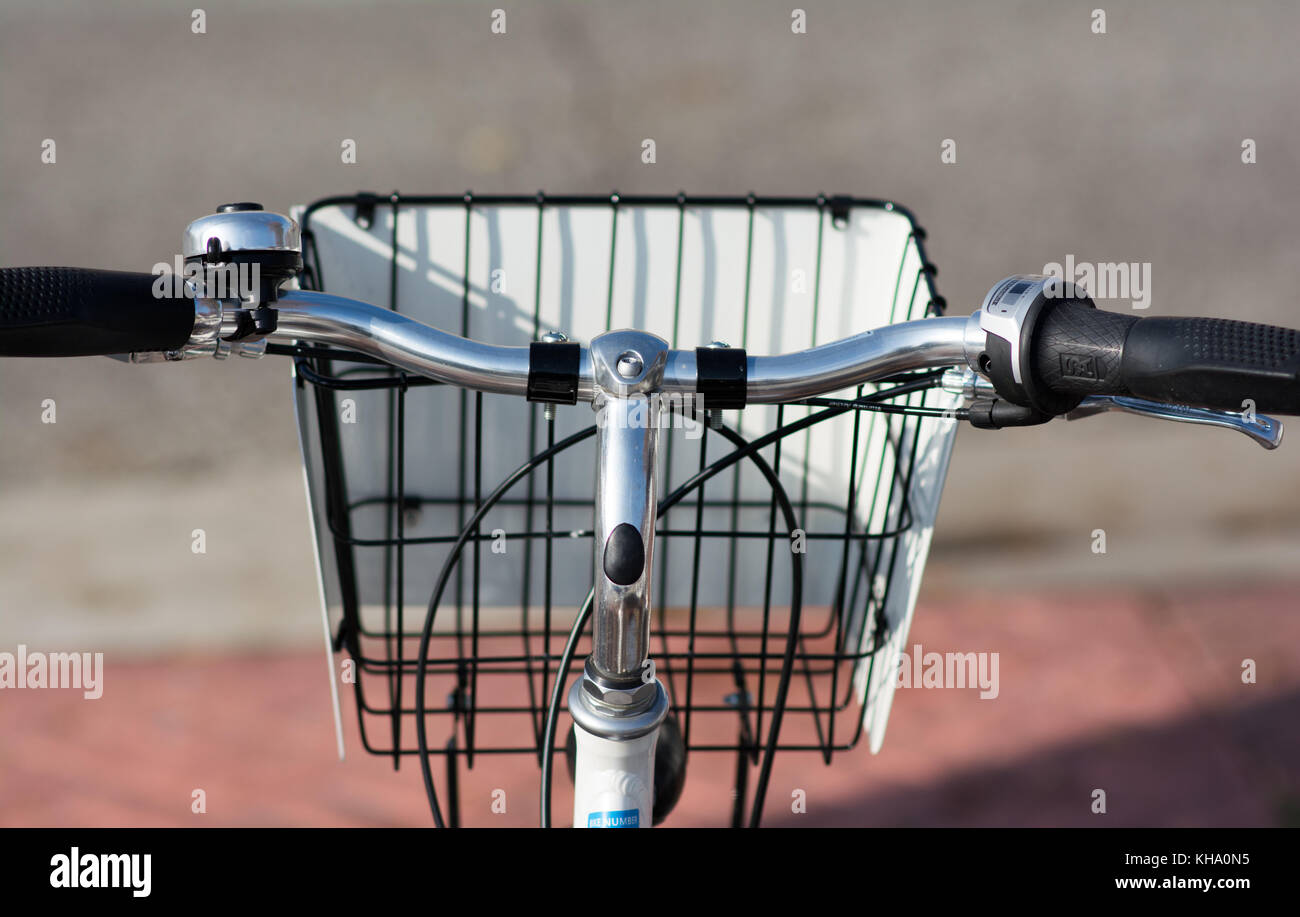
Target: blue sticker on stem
624, 818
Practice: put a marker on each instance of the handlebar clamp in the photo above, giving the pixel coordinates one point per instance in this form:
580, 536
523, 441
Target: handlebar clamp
723, 377
553, 370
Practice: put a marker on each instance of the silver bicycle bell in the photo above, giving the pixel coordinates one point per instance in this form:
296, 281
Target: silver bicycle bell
251, 250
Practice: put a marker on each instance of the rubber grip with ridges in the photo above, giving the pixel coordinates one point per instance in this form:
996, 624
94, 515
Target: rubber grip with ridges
1214, 362
1205, 362
76, 312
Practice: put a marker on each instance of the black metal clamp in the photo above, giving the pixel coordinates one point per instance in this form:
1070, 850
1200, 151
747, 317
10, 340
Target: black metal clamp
722, 375
553, 371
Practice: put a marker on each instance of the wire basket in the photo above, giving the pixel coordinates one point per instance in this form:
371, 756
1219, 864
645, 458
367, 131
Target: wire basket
472, 514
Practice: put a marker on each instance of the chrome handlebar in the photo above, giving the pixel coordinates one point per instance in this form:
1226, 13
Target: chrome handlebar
963, 346
403, 342
410, 345
418, 348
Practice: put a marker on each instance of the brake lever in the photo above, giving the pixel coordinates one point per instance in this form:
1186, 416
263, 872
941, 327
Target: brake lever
1267, 431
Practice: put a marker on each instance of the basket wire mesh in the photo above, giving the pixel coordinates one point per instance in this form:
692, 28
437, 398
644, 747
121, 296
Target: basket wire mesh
472, 514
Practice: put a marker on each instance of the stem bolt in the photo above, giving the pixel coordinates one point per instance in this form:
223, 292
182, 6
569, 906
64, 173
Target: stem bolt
629, 364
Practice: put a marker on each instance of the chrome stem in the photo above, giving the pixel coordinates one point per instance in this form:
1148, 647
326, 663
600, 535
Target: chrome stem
627, 446
618, 696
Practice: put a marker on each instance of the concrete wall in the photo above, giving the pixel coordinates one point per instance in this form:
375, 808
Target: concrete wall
1117, 147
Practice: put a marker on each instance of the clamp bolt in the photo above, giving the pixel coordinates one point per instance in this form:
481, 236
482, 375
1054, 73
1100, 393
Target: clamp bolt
715, 417
552, 337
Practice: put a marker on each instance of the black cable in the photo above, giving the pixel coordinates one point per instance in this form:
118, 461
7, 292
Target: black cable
423, 658
750, 450
796, 612
796, 605
553, 709
787, 665
668, 502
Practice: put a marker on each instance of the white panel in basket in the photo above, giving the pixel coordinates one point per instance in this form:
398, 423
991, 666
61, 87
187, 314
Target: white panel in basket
772, 280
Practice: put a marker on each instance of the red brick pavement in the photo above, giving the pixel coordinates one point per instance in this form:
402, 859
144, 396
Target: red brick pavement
1138, 694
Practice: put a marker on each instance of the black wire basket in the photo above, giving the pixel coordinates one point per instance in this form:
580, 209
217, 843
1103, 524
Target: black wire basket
454, 529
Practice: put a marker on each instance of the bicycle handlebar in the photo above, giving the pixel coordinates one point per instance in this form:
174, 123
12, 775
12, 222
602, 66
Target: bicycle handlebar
401, 341
1048, 347
416, 347
1042, 352
1209, 362
63, 312
75, 312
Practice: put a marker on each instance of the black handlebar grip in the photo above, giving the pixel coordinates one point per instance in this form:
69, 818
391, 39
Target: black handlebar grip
1214, 362
1078, 350
76, 312
1206, 362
